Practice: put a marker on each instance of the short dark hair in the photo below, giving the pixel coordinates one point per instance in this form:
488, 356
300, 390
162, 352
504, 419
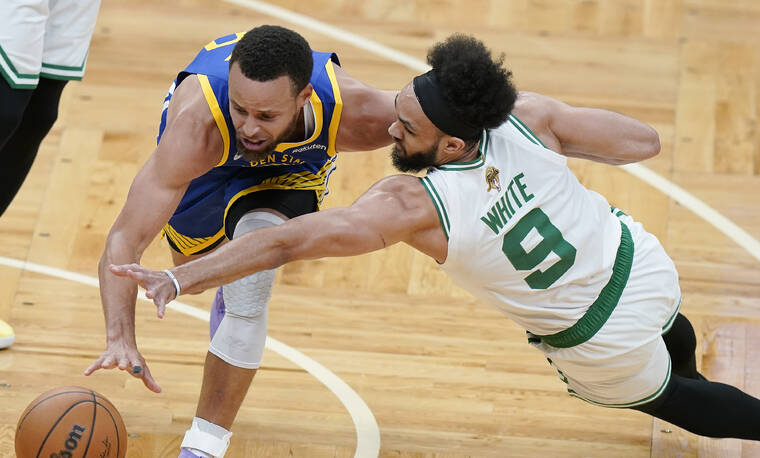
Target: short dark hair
476, 87
268, 52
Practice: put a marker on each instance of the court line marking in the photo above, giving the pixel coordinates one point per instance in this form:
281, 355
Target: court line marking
367, 432
364, 421
675, 192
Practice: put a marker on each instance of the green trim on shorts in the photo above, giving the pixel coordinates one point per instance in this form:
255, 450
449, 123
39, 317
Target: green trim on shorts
55, 76
63, 72
63, 67
15, 79
626, 405
667, 326
599, 312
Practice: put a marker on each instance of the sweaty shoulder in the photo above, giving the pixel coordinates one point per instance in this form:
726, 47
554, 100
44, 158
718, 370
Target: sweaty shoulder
191, 133
535, 110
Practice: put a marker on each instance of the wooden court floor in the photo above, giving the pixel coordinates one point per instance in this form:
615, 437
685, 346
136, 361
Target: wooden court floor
444, 375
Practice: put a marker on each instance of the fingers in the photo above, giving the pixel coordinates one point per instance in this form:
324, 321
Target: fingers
93, 367
137, 276
148, 381
117, 270
122, 270
133, 364
161, 308
109, 362
105, 361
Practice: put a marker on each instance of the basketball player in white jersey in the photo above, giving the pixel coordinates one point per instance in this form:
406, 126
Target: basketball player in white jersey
508, 221
43, 45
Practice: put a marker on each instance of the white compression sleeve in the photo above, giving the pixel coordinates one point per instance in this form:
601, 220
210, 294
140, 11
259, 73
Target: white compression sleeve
241, 335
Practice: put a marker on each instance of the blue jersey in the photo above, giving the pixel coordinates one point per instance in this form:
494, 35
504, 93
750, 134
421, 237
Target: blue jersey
199, 221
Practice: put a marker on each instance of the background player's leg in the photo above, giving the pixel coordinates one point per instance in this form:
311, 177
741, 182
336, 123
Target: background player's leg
20, 148
706, 408
12, 109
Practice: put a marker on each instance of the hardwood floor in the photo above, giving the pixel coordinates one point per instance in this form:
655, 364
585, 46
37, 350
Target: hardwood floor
443, 374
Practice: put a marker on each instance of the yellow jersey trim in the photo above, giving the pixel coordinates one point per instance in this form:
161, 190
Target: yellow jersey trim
213, 45
191, 245
335, 120
299, 181
221, 124
316, 103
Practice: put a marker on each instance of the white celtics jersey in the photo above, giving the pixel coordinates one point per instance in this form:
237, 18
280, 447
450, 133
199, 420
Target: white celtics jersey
523, 234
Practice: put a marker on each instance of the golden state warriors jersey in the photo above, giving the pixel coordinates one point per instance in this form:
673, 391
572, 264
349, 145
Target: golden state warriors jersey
198, 223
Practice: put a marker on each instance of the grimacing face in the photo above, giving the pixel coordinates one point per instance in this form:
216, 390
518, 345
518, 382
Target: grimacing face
416, 139
264, 113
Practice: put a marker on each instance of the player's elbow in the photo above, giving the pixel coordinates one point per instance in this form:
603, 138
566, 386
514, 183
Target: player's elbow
650, 144
645, 145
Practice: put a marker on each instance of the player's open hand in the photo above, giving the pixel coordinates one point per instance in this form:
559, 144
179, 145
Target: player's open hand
157, 284
127, 358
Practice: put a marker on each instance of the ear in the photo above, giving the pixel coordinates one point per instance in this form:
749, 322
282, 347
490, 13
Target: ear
451, 148
304, 95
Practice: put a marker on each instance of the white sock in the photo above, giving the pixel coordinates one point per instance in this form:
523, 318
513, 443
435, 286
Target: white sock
210, 428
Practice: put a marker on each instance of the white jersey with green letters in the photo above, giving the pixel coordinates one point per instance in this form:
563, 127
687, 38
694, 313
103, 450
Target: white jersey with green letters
524, 234
594, 290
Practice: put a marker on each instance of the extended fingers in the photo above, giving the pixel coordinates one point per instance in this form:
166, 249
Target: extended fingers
93, 367
149, 382
122, 269
161, 305
108, 362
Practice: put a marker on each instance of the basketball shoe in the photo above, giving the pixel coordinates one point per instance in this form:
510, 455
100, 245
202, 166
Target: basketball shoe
6, 335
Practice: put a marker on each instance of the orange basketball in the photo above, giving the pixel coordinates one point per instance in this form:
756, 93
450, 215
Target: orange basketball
70, 421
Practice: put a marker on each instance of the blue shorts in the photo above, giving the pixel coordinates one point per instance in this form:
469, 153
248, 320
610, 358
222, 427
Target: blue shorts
204, 216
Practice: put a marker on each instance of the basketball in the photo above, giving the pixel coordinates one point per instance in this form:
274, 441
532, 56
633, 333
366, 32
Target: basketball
70, 421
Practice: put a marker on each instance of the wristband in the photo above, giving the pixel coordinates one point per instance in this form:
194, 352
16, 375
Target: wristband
174, 280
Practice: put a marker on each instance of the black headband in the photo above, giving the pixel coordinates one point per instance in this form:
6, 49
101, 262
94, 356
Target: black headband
435, 108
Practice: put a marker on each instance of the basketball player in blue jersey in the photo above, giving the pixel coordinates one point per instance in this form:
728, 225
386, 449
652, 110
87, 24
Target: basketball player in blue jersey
248, 139
504, 216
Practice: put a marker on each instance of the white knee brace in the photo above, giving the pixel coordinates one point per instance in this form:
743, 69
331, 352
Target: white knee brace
241, 335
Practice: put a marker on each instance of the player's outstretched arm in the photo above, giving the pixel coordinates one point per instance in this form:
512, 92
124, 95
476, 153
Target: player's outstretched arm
587, 133
155, 192
395, 209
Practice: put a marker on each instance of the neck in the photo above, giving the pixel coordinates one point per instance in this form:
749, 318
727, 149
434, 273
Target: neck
299, 133
470, 154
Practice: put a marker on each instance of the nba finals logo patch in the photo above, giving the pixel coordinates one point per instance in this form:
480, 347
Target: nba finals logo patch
492, 179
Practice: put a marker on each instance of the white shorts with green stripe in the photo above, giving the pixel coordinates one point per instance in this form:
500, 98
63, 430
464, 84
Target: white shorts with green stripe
48, 38
626, 362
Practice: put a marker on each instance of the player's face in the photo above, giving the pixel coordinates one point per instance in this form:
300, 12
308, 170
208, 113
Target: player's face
264, 113
416, 139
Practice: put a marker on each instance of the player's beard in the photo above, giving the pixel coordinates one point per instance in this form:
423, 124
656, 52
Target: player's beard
414, 162
254, 156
